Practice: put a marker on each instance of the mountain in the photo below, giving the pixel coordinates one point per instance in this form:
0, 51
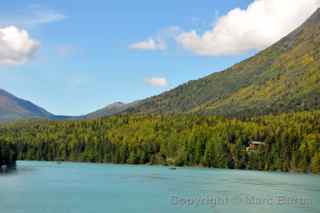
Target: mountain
13, 108
284, 77
111, 109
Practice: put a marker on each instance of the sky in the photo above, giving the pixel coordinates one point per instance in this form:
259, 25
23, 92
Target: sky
74, 57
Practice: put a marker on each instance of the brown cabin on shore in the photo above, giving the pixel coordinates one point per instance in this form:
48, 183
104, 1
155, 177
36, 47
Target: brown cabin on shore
254, 145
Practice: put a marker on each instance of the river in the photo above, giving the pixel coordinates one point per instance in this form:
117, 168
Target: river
49, 187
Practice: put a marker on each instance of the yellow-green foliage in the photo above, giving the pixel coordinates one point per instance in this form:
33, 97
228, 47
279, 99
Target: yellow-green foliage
283, 78
292, 141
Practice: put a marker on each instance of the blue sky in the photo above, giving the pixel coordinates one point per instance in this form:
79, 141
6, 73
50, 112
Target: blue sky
89, 53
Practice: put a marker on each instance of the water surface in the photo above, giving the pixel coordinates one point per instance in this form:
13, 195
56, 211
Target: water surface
48, 187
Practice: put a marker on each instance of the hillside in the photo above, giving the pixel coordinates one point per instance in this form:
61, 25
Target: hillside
284, 77
13, 108
111, 109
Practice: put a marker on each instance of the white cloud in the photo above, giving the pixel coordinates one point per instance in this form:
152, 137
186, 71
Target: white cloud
31, 16
260, 25
44, 16
156, 81
16, 46
149, 44
159, 41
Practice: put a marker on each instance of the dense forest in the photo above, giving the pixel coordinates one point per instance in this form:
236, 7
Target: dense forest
292, 141
8, 155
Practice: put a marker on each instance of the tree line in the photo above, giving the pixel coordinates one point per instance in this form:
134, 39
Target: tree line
292, 141
8, 154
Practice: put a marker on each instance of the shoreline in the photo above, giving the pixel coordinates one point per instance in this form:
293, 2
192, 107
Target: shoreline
6, 166
169, 166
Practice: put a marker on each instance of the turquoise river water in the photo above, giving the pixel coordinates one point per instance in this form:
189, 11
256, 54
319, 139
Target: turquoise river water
49, 187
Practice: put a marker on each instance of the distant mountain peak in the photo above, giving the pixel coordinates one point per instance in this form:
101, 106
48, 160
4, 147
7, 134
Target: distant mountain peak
13, 108
111, 109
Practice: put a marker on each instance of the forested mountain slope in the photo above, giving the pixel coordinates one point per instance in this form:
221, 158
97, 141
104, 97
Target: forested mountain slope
284, 77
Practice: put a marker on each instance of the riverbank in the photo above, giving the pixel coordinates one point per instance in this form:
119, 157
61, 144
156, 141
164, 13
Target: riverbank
169, 166
6, 166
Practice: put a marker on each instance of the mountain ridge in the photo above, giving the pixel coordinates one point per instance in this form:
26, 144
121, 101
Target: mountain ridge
14, 108
111, 109
283, 77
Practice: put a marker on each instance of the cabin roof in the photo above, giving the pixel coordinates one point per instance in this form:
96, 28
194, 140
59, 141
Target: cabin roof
257, 142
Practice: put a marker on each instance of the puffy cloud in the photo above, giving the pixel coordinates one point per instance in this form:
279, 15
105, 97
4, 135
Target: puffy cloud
16, 46
149, 44
156, 81
260, 25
